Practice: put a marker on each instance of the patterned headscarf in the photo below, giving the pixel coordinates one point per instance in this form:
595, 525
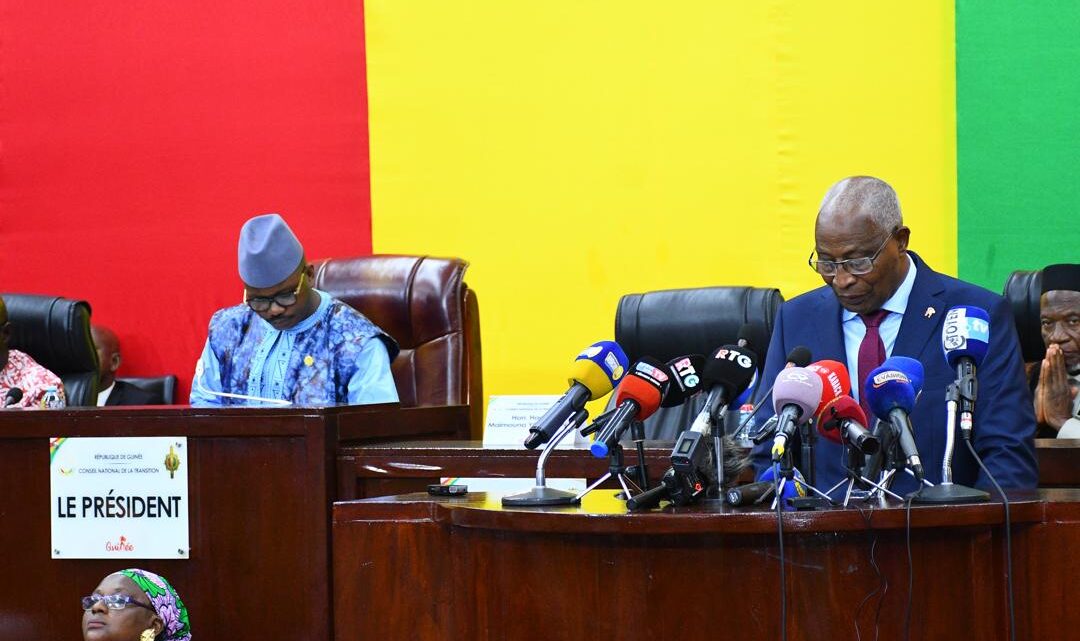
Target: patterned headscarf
166, 603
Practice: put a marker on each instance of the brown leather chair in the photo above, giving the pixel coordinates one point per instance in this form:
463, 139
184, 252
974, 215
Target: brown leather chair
424, 303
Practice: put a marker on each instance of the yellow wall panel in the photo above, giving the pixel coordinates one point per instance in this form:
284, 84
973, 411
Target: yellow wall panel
577, 151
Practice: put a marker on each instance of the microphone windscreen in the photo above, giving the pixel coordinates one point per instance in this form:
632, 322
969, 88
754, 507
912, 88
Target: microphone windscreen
911, 368
754, 336
835, 382
645, 385
966, 333
887, 389
797, 386
599, 367
732, 368
842, 407
685, 372
800, 356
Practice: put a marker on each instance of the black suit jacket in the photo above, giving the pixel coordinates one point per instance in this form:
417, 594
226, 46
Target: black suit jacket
128, 394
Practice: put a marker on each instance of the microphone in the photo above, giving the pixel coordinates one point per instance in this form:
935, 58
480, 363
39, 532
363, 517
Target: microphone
727, 373
795, 396
835, 383
199, 369
685, 373
844, 419
594, 373
13, 396
792, 490
965, 337
797, 357
749, 494
891, 396
753, 336
638, 396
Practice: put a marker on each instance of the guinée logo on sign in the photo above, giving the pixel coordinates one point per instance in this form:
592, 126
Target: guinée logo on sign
123, 545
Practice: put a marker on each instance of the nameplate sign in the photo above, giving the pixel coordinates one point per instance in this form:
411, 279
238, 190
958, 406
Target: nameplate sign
119, 498
510, 417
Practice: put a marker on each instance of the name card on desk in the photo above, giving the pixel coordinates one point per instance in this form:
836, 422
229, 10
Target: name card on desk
119, 497
510, 416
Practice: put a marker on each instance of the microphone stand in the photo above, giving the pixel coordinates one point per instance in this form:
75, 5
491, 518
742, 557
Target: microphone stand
616, 469
787, 475
807, 436
856, 459
958, 395
540, 494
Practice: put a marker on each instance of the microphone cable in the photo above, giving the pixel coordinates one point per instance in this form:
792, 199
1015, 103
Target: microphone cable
1008, 539
883, 581
910, 570
780, 533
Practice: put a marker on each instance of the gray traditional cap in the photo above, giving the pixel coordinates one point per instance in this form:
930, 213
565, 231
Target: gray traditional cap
269, 251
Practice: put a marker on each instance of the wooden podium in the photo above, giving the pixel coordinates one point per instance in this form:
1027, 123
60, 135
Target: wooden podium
419, 567
261, 484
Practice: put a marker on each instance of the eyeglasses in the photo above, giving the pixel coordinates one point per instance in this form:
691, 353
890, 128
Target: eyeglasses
853, 266
113, 601
262, 303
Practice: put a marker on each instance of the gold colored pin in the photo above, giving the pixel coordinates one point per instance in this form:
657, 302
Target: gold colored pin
929, 313
308, 360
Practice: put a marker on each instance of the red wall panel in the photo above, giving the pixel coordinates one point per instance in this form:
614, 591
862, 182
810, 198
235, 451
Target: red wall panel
136, 137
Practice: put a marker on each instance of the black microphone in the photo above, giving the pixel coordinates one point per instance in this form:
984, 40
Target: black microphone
685, 373
13, 396
755, 337
748, 494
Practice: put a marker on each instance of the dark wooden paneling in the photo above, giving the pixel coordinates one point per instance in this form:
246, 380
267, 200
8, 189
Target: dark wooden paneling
261, 485
484, 572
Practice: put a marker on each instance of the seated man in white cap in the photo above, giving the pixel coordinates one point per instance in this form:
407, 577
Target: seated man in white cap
289, 342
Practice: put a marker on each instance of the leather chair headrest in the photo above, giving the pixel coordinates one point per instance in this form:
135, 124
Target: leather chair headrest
1023, 290
674, 322
54, 331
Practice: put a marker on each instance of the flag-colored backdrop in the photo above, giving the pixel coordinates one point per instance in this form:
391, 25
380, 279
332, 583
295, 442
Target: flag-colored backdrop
577, 151
573, 152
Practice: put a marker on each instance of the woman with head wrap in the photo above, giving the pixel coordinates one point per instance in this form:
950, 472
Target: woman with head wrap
135, 605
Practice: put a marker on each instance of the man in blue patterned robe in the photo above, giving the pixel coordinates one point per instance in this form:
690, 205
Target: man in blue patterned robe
289, 343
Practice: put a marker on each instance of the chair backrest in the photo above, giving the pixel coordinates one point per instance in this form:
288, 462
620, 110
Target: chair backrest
1023, 290
424, 303
55, 332
162, 388
675, 322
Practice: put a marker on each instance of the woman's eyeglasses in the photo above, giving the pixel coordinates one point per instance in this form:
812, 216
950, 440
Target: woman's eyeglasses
113, 601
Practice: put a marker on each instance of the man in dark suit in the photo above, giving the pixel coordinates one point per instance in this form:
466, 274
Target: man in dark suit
115, 392
881, 300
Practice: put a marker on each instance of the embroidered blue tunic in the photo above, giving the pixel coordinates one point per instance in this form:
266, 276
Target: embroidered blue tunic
334, 356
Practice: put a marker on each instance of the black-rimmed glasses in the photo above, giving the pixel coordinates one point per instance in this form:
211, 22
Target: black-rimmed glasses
263, 303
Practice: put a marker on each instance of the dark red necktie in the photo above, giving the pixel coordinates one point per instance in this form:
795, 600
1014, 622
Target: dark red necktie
871, 353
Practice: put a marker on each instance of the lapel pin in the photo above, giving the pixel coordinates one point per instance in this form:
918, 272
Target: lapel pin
929, 313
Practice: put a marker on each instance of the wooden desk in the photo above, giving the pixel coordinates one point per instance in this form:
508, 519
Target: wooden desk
418, 567
261, 483
381, 469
